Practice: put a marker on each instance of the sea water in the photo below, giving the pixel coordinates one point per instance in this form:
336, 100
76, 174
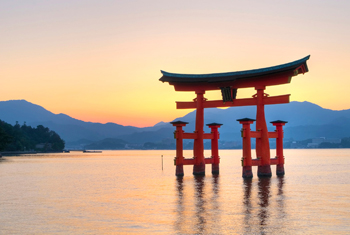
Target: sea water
136, 192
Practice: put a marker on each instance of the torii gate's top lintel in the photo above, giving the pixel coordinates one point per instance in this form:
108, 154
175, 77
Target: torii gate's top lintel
269, 76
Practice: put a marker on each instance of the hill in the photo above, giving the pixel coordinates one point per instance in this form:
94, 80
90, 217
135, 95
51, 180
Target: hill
26, 138
70, 129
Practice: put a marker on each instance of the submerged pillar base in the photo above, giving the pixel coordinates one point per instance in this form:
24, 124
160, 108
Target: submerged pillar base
179, 170
215, 169
247, 172
280, 169
264, 171
199, 169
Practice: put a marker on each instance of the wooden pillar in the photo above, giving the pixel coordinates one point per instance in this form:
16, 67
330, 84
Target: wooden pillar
279, 146
179, 159
247, 150
198, 147
215, 147
262, 144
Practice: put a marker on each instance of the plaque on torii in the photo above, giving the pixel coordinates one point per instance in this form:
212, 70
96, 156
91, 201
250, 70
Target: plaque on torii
228, 83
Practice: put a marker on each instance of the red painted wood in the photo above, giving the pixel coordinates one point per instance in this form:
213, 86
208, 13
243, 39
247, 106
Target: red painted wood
273, 134
273, 161
282, 99
189, 161
190, 136
246, 133
279, 142
262, 146
255, 134
198, 147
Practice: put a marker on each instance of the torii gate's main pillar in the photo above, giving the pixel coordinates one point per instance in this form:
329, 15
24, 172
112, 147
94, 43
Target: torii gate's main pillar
262, 143
198, 145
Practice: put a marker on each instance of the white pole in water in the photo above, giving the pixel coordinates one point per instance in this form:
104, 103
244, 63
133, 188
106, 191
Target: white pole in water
162, 162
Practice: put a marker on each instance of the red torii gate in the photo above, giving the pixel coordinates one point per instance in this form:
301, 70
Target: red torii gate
228, 83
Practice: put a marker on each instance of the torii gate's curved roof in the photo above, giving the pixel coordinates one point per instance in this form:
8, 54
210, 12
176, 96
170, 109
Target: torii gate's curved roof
298, 66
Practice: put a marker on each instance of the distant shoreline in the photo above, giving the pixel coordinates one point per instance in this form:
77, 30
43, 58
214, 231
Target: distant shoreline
12, 153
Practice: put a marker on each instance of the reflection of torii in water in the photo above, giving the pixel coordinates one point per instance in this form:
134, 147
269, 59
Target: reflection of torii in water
265, 211
228, 83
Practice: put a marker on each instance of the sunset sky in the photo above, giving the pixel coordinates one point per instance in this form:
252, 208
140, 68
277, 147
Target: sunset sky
100, 61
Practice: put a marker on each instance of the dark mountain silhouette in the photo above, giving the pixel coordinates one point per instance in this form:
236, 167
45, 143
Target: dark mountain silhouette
70, 129
305, 120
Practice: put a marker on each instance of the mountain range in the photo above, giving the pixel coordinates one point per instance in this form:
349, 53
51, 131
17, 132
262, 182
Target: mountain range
305, 120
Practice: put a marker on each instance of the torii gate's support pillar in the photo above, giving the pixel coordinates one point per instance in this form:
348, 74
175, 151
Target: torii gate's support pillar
247, 150
198, 147
179, 159
215, 147
262, 143
279, 146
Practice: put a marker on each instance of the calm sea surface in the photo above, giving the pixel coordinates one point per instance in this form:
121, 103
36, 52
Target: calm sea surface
127, 192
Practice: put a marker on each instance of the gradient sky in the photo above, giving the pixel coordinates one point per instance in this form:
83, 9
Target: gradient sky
100, 61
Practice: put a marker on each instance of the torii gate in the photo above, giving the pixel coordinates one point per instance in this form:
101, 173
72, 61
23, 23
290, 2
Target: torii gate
228, 83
